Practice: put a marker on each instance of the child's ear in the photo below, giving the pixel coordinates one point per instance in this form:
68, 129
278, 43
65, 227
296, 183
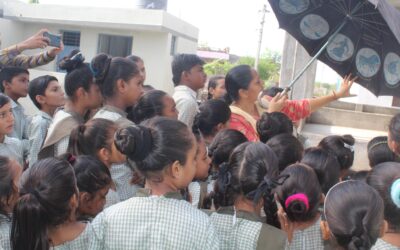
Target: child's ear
176, 168
80, 92
104, 154
40, 99
121, 86
5, 84
326, 233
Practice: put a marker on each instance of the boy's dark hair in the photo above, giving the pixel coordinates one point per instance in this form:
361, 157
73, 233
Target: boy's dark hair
38, 86
183, 62
8, 73
4, 100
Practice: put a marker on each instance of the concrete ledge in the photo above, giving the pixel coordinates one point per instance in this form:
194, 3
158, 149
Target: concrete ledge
352, 119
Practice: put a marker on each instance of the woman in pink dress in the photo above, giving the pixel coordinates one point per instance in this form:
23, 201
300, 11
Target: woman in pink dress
243, 86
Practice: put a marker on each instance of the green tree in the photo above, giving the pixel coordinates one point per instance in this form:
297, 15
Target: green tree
268, 67
33, 1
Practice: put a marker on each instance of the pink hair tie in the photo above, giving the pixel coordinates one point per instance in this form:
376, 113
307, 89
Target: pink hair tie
297, 197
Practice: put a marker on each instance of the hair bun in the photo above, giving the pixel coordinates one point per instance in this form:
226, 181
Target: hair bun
73, 61
348, 139
135, 142
100, 66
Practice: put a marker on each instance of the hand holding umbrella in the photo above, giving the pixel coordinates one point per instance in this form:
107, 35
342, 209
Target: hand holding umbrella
345, 87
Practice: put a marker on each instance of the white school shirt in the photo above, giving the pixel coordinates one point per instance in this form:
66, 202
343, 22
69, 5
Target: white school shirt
37, 131
186, 104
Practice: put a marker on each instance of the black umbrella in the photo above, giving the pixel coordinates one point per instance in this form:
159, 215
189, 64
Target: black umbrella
361, 37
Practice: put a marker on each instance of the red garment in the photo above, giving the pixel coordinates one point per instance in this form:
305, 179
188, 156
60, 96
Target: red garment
239, 123
297, 109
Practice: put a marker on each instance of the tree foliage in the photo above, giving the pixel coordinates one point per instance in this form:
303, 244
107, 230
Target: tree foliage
268, 67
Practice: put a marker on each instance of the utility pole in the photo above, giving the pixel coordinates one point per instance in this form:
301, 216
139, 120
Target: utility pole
264, 12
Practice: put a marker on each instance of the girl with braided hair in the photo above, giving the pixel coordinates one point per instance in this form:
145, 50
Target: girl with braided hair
244, 186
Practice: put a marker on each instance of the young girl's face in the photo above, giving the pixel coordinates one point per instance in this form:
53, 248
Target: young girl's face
188, 171
6, 119
219, 91
202, 161
54, 95
95, 204
134, 90
94, 97
169, 109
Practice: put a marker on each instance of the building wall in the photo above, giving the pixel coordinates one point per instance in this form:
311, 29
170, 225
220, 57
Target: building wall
153, 47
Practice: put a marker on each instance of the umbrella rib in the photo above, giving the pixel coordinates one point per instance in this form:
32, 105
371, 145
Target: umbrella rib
371, 27
369, 21
339, 7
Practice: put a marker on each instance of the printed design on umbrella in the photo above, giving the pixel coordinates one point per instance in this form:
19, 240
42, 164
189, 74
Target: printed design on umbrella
341, 48
392, 69
293, 7
368, 62
314, 27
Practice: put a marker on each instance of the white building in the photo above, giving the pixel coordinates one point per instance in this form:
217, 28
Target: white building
154, 35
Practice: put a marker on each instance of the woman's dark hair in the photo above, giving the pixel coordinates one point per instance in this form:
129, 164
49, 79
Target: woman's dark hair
108, 70
79, 74
300, 195
379, 151
342, 147
7, 187
251, 171
212, 113
213, 83
156, 144
354, 213
91, 174
325, 166
223, 144
134, 58
46, 193
271, 124
394, 128
3, 100
8, 73
237, 78
89, 138
287, 148
182, 63
385, 178
38, 86
149, 105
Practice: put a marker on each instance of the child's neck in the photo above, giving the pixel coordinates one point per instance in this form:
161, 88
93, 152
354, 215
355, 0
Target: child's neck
66, 232
392, 238
76, 107
116, 102
160, 188
248, 107
48, 110
305, 225
242, 204
2, 137
12, 96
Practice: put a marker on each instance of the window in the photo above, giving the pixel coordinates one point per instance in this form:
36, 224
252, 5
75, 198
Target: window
174, 41
115, 45
71, 38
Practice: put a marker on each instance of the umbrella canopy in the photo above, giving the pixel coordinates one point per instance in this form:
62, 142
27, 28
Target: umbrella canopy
361, 37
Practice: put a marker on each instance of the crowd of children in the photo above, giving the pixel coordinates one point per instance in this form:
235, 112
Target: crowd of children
108, 163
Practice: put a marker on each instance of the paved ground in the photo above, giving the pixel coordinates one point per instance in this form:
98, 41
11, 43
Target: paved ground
316, 132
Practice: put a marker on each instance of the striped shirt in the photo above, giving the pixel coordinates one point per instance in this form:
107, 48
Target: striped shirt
5, 230
242, 230
79, 243
308, 239
153, 222
383, 245
37, 131
12, 57
121, 173
21, 121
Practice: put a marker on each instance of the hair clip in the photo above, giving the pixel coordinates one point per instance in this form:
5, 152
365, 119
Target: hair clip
395, 193
71, 159
351, 147
297, 197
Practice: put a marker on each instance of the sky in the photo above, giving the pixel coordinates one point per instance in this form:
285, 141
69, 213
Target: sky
222, 23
